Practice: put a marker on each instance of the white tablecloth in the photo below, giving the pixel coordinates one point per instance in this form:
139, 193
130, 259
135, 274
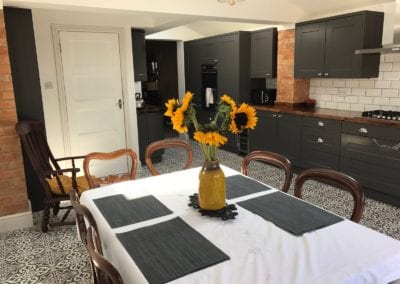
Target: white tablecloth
259, 251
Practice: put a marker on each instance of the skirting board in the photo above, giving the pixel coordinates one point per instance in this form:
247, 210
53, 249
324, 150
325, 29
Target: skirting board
16, 221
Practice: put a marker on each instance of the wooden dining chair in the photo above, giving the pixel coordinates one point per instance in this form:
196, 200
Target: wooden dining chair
165, 144
104, 271
112, 178
53, 179
338, 179
273, 159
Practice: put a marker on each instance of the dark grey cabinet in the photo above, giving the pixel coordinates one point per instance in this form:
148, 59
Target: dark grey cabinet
320, 143
277, 132
193, 61
150, 129
263, 53
139, 54
371, 154
326, 47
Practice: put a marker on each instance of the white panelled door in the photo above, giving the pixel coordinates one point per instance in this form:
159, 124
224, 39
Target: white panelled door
91, 67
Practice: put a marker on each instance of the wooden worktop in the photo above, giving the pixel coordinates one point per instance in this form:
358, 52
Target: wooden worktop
353, 116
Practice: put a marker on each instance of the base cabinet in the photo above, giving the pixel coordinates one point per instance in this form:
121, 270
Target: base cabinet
150, 129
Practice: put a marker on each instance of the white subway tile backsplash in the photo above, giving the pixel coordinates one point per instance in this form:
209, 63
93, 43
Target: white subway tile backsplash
384, 84
362, 94
339, 83
358, 91
381, 101
367, 84
351, 99
389, 93
352, 83
374, 92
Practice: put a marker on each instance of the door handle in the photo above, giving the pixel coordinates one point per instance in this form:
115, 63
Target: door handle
120, 103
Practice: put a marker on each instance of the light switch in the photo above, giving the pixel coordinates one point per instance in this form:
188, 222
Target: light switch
48, 85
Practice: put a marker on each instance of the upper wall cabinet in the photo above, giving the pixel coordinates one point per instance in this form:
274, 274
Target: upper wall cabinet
139, 55
263, 53
326, 47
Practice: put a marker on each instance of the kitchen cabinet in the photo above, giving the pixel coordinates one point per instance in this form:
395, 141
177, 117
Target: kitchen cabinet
139, 54
371, 155
320, 145
325, 48
263, 53
230, 54
150, 129
277, 132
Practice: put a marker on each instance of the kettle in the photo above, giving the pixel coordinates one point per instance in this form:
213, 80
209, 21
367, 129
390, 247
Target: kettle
139, 100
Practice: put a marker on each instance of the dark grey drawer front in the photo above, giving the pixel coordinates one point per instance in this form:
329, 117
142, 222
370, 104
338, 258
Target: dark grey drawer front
375, 163
384, 132
322, 123
321, 140
316, 159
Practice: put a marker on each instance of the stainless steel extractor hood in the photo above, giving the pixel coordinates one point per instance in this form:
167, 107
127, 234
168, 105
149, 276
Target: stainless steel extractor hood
392, 22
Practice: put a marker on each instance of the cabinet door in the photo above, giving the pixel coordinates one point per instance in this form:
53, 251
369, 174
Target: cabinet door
139, 55
193, 53
310, 50
142, 134
289, 137
263, 53
209, 55
264, 136
228, 66
343, 37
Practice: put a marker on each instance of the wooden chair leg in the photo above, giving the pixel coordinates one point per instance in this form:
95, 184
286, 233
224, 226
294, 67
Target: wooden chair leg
45, 218
56, 208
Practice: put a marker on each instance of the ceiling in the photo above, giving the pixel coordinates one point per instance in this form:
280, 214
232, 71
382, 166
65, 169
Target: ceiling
183, 19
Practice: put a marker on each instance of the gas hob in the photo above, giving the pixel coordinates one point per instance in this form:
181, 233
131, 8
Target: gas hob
382, 114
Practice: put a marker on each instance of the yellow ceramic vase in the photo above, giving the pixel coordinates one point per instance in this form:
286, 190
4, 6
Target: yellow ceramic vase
212, 190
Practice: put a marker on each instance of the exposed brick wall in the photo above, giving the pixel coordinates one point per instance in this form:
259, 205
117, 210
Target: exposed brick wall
13, 195
289, 89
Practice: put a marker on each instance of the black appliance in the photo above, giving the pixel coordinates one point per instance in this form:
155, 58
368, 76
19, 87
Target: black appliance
382, 114
263, 96
208, 86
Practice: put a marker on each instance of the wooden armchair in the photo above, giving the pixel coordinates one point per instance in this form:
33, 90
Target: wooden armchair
112, 178
165, 144
55, 183
273, 159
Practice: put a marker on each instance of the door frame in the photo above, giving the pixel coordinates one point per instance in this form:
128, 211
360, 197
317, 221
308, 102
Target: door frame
56, 29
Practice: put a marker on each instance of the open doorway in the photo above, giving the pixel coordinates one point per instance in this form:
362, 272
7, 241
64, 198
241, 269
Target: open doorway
162, 82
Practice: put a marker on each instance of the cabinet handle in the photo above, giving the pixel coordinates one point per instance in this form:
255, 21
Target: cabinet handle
279, 116
268, 74
320, 123
326, 74
319, 74
320, 140
363, 130
139, 74
215, 60
274, 115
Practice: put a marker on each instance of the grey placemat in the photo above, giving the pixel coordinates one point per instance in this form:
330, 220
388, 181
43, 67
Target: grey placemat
238, 185
118, 211
289, 213
169, 250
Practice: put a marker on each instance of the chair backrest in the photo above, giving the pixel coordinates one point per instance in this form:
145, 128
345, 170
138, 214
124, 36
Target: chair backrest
165, 144
112, 178
82, 213
34, 143
336, 178
273, 159
104, 270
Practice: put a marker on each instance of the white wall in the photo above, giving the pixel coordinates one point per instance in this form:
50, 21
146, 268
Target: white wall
42, 21
362, 94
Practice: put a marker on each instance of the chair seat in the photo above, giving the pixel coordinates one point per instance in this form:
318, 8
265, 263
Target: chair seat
66, 181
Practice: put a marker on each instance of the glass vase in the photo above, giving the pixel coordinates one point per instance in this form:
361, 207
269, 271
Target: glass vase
212, 186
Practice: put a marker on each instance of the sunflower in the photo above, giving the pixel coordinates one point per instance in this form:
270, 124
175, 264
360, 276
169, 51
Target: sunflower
171, 105
210, 138
242, 118
187, 99
178, 119
229, 101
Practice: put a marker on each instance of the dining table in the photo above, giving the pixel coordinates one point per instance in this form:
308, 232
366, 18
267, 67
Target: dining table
151, 235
